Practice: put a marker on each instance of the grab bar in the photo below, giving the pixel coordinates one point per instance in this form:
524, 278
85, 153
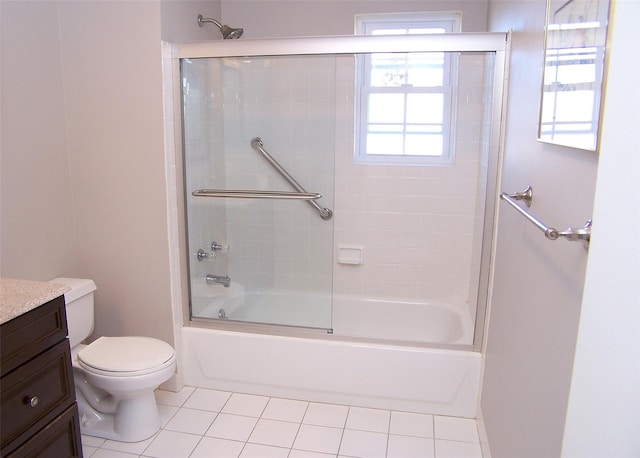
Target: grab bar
582, 234
257, 145
250, 194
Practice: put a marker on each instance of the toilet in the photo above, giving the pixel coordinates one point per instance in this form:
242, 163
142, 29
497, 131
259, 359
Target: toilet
115, 377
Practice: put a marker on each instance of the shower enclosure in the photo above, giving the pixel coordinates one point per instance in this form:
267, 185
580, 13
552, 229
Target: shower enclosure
287, 227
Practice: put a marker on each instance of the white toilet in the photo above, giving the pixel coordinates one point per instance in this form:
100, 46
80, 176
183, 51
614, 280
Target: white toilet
115, 377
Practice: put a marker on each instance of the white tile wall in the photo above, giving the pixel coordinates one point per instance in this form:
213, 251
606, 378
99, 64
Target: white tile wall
420, 227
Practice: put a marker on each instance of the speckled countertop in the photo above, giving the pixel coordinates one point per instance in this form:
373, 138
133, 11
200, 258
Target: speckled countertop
20, 296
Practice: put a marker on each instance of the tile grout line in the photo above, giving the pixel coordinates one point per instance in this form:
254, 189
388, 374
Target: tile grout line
299, 427
181, 407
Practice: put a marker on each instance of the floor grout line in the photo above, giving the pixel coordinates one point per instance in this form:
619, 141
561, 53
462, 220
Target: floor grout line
358, 423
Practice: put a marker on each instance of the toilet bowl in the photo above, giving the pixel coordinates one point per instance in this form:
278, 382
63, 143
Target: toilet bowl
115, 377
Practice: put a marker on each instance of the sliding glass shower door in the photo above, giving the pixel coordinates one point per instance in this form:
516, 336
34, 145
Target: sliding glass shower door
259, 170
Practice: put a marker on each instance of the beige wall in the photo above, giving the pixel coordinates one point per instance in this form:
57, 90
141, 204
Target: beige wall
83, 170
538, 284
290, 18
113, 85
179, 20
37, 232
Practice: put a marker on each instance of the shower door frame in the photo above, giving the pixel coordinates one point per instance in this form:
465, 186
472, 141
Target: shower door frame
488, 42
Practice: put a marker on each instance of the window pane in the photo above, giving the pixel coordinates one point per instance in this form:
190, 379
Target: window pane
388, 70
385, 108
423, 145
384, 144
574, 106
426, 69
425, 108
389, 32
574, 74
413, 31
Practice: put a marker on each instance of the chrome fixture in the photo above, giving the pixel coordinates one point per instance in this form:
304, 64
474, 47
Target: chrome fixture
222, 314
300, 194
201, 254
227, 32
258, 146
250, 194
215, 248
223, 280
582, 234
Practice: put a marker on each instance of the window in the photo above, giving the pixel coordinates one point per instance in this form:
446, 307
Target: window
404, 100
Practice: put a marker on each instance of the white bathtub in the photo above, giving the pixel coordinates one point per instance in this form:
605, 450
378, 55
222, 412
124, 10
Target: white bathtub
332, 369
277, 307
417, 322
413, 322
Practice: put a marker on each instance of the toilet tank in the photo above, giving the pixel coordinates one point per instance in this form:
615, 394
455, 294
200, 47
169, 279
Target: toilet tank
79, 307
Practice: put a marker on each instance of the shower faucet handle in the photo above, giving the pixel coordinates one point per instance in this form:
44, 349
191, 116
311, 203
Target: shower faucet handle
216, 248
201, 255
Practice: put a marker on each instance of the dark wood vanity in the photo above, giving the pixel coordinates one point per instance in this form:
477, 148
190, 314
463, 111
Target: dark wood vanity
38, 411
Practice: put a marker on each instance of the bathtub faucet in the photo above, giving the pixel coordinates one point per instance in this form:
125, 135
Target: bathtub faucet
223, 280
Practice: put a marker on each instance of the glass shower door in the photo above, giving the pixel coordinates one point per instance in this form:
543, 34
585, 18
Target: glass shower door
259, 170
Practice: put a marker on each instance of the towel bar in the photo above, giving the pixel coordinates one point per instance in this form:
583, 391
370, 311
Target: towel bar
582, 234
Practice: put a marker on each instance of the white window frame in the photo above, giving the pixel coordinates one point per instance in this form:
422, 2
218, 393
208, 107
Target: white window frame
373, 24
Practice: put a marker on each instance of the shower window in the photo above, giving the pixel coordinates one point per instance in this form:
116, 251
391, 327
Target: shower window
405, 100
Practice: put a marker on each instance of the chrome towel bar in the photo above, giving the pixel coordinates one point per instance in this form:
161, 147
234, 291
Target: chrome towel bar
251, 194
582, 234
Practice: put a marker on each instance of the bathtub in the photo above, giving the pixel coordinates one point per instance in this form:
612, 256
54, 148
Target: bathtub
413, 322
346, 367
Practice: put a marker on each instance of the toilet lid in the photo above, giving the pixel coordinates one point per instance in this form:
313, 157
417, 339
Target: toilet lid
126, 354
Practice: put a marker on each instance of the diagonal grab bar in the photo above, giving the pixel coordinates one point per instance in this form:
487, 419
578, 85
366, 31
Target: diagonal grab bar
571, 234
258, 146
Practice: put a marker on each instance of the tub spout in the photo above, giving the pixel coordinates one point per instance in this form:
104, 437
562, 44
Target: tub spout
223, 280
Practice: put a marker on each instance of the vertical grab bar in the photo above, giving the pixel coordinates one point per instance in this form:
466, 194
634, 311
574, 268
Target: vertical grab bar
257, 145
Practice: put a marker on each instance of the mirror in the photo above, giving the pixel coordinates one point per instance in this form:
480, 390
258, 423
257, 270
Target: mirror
575, 41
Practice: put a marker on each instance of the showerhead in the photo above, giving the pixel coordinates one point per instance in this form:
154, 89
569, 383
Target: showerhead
227, 32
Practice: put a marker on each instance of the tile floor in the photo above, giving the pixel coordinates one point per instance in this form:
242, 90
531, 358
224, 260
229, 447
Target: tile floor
201, 423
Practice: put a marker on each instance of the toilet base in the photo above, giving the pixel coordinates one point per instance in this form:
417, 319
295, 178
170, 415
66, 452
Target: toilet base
134, 420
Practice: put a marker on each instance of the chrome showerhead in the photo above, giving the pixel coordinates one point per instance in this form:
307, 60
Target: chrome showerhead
227, 32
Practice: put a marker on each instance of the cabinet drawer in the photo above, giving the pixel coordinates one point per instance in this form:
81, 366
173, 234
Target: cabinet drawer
35, 393
32, 333
60, 438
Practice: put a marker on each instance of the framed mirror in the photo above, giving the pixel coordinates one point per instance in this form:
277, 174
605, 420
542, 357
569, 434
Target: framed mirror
573, 73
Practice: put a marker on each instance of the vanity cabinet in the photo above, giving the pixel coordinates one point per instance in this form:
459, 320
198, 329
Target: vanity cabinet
38, 411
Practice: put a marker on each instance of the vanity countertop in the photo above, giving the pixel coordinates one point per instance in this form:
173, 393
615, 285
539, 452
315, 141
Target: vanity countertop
20, 296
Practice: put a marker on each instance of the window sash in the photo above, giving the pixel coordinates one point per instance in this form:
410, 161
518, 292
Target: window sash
407, 138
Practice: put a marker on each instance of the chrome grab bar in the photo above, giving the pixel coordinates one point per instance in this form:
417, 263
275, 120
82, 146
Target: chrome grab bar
582, 234
250, 194
258, 146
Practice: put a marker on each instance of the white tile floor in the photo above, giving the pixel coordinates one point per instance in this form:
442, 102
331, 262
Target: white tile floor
200, 423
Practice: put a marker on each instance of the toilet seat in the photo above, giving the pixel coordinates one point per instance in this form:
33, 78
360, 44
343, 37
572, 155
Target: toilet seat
126, 356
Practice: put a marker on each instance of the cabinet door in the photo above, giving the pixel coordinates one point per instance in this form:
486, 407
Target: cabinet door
36, 393
60, 438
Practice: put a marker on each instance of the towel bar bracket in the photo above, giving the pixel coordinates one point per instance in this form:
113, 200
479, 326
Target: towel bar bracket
526, 195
